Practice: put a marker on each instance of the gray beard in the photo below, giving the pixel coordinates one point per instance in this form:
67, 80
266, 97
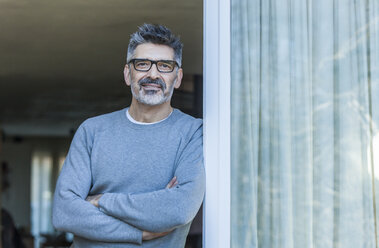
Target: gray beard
152, 97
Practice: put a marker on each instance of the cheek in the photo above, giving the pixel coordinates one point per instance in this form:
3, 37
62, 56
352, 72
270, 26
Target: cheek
133, 80
171, 81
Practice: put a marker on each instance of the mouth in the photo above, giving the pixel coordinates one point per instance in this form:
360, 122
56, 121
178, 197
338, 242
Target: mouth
151, 86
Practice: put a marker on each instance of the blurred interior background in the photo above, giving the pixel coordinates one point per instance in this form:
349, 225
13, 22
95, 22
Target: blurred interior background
61, 62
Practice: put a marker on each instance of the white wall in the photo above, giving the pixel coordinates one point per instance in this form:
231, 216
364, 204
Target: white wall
217, 123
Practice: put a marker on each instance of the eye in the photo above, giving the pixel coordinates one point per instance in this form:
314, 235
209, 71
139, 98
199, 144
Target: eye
141, 63
166, 66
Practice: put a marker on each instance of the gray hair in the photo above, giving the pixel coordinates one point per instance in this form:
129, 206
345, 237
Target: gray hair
155, 34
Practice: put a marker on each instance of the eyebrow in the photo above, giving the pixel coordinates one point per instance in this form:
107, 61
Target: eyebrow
155, 59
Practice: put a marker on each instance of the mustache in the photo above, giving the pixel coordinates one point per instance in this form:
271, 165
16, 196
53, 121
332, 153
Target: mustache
157, 81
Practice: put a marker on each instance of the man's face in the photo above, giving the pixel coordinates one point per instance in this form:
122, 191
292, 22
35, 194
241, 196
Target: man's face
152, 87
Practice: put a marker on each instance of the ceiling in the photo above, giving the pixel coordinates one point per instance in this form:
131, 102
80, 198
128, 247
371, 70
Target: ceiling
62, 61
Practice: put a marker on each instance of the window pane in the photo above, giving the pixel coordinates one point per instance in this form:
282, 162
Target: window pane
41, 192
305, 123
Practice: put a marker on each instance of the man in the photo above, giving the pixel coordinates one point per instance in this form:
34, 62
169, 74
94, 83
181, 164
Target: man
135, 177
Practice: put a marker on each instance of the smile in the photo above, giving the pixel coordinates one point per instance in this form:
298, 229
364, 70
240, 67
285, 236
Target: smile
151, 86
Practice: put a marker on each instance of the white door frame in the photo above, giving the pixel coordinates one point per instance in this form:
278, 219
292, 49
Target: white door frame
216, 230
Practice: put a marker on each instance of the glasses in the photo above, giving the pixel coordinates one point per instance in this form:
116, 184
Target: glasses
145, 65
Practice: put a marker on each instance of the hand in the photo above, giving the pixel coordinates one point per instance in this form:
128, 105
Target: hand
94, 199
172, 183
149, 235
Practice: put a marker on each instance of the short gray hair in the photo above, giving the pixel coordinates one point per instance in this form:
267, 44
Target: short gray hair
155, 34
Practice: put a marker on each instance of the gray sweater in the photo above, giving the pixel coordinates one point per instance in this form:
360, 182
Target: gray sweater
131, 165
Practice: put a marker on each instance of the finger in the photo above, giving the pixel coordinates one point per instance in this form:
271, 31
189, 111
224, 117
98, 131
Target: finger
174, 183
163, 234
169, 185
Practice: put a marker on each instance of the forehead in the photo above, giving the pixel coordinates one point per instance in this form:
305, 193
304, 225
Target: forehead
154, 52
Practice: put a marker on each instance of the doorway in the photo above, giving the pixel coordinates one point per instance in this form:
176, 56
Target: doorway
62, 63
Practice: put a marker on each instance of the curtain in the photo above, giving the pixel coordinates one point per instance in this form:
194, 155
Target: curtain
305, 123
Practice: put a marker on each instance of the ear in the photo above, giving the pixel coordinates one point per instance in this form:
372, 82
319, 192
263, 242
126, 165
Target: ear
179, 78
127, 75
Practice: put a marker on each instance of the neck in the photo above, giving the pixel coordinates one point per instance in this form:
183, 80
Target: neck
146, 113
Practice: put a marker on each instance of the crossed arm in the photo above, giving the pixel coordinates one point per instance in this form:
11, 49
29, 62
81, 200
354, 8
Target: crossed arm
122, 217
72, 213
146, 235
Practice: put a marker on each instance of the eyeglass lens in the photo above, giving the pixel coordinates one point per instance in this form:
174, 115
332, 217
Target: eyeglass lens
162, 65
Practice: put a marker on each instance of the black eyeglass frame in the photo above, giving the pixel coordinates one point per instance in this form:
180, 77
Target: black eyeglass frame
152, 62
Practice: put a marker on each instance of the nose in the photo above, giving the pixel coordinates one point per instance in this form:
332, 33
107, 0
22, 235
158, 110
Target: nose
153, 72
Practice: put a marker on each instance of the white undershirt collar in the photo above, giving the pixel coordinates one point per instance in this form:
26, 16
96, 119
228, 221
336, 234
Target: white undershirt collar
143, 123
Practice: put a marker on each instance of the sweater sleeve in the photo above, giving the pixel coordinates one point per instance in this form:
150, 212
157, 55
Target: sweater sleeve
72, 213
165, 209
